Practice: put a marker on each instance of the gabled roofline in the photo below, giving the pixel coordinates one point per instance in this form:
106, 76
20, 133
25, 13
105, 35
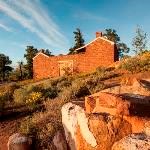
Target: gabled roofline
94, 41
39, 54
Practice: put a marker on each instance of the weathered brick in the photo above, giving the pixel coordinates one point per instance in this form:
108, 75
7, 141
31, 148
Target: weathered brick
100, 52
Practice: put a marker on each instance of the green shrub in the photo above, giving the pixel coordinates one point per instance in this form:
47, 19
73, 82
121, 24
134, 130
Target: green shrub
20, 95
97, 88
54, 82
94, 84
33, 99
101, 70
9, 89
77, 90
132, 65
63, 84
80, 90
46, 91
66, 95
136, 64
51, 92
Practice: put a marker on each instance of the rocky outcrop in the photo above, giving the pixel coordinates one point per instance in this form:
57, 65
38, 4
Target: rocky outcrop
106, 129
135, 110
137, 141
111, 116
137, 87
94, 131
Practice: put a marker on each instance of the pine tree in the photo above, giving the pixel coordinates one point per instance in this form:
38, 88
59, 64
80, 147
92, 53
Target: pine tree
79, 41
112, 35
30, 53
47, 52
4, 66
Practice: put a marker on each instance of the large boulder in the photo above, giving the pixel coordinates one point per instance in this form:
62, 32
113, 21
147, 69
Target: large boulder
72, 116
92, 131
115, 104
137, 141
135, 110
106, 129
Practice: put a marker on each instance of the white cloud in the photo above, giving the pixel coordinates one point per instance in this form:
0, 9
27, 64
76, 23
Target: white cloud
32, 16
5, 27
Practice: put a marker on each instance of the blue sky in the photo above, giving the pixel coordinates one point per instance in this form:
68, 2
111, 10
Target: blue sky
50, 23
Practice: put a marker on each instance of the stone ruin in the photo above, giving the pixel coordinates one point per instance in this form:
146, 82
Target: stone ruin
117, 118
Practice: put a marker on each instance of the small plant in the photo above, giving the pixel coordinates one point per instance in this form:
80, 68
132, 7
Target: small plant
77, 90
101, 70
50, 92
33, 99
20, 95
97, 88
132, 65
63, 84
66, 95
80, 89
9, 89
28, 127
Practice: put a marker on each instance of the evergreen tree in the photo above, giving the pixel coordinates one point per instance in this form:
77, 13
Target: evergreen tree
122, 49
30, 53
112, 35
139, 41
47, 52
4, 66
79, 41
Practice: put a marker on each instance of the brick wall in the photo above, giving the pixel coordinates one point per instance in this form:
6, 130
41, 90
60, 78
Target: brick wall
98, 53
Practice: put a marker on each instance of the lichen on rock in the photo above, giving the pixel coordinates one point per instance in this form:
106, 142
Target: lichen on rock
137, 141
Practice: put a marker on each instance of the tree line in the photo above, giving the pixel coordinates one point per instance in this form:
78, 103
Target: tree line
25, 71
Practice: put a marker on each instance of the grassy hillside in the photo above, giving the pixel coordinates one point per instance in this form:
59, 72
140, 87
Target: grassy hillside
38, 104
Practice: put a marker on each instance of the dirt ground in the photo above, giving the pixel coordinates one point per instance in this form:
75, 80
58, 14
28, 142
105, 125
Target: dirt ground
7, 128
9, 124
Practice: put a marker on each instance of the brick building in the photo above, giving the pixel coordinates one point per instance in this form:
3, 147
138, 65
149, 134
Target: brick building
99, 52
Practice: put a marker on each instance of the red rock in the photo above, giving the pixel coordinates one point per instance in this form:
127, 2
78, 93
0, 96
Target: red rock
106, 129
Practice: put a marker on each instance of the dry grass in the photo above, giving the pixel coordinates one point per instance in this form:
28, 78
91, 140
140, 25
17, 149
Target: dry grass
43, 125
